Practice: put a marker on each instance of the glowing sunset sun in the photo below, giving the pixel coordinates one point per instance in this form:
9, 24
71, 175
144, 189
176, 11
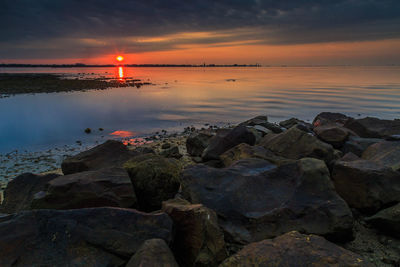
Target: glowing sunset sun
119, 58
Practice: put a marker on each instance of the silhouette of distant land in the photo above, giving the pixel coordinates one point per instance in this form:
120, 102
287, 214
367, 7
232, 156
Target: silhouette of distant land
80, 65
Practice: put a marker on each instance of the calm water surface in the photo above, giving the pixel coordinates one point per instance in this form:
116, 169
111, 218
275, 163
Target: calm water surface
192, 96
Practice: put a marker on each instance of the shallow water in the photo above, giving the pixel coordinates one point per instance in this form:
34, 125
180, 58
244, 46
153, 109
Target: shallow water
191, 96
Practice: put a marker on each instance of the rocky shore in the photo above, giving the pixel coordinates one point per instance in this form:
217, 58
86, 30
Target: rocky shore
293, 193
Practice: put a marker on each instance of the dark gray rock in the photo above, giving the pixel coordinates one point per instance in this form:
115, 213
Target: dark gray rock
296, 144
387, 220
295, 249
222, 142
153, 253
20, 191
330, 118
109, 154
293, 122
259, 120
357, 145
333, 134
262, 121
255, 199
366, 185
197, 142
370, 127
261, 129
104, 188
83, 237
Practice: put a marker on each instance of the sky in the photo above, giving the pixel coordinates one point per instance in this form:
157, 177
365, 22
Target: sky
269, 32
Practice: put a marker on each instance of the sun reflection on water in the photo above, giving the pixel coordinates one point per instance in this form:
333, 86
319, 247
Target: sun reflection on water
121, 73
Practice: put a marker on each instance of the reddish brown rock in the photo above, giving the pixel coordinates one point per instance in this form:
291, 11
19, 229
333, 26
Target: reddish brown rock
295, 249
153, 253
199, 241
366, 185
109, 154
102, 188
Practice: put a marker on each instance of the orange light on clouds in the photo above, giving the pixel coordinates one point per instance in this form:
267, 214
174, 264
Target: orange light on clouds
120, 58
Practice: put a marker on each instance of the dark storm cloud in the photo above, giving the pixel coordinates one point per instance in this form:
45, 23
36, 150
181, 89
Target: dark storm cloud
30, 28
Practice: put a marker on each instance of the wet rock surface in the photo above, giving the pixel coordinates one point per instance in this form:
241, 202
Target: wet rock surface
255, 199
295, 249
95, 237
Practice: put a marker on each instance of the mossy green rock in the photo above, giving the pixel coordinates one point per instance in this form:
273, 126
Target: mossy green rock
154, 179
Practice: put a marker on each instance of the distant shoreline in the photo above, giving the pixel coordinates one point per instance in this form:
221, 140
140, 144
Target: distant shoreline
81, 65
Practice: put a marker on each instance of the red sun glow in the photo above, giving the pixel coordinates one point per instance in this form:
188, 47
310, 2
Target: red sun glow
119, 58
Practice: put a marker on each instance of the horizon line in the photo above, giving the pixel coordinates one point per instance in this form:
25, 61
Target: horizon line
82, 65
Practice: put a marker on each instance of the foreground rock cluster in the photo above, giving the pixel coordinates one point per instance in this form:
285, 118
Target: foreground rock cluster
258, 194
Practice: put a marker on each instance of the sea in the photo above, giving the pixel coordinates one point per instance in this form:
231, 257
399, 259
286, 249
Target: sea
179, 97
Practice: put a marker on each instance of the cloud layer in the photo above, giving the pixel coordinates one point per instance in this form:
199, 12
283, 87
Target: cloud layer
47, 28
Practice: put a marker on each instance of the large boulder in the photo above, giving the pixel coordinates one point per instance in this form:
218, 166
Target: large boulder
333, 134
330, 118
21, 190
263, 122
84, 237
357, 145
198, 241
370, 127
255, 199
222, 142
296, 144
103, 188
197, 142
387, 220
366, 185
294, 122
244, 151
109, 154
295, 249
387, 153
154, 178
153, 253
